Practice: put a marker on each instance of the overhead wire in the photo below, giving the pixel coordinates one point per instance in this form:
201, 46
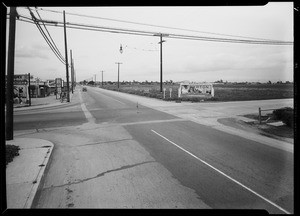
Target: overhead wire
152, 25
56, 52
152, 33
50, 37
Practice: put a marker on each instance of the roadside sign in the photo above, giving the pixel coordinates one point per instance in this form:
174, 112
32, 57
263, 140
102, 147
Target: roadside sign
58, 82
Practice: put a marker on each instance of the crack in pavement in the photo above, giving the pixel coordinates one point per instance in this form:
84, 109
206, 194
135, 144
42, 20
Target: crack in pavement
97, 143
97, 176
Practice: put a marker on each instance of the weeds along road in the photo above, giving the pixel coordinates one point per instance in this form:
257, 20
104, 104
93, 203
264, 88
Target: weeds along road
111, 152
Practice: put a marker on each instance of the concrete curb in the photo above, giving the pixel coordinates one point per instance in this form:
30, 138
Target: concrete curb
40, 178
25, 175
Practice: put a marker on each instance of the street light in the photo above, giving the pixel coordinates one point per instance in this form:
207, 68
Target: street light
121, 49
161, 41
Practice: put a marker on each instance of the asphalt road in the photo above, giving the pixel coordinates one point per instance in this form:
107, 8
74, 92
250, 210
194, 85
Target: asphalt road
222, 171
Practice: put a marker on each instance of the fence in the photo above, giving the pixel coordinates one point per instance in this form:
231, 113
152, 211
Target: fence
260, 110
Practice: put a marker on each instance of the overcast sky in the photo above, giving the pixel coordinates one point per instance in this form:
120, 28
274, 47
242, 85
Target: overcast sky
192, 60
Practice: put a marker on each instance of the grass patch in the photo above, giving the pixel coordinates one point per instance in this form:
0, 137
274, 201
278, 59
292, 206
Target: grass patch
225, 92
11, 152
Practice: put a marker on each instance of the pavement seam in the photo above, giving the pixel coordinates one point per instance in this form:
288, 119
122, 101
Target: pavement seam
98, 143
99, 175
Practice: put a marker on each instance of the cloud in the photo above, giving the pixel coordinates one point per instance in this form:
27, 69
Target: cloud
34, 51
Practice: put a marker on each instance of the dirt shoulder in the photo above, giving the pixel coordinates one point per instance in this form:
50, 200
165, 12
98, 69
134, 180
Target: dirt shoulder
277, 132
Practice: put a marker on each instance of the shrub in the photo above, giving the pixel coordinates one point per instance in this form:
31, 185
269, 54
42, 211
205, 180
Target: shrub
286, 115
11, 152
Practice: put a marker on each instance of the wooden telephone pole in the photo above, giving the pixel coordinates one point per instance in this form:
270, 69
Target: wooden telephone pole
9, 127
66, 56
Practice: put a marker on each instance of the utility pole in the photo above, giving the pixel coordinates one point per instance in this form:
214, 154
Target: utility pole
95, 80
29, 89
71, 59
161, 41
118, 73
102, 79
10, 76
66, 56
74, 74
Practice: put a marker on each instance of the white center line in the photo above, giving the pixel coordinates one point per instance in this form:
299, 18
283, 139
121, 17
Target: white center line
111, 98
88, 115
222, 173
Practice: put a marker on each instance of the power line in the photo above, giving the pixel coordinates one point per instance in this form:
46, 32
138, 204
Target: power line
152, 25
56, 52
50, 37
151, 33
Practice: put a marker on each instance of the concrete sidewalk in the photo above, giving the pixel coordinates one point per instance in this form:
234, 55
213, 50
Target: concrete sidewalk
24, 174
37, 103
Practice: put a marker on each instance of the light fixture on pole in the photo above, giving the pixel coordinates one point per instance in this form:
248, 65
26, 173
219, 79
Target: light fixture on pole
121, 49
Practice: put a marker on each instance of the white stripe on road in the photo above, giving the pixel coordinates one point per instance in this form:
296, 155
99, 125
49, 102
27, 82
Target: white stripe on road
87, 114
111, 98
219, 171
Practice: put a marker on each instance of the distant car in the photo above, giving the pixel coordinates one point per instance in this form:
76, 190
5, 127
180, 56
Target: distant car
84, 89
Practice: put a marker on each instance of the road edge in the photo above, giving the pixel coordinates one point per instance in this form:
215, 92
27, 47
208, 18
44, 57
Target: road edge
36, 189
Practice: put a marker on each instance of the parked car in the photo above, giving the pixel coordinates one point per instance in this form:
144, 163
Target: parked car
84, 89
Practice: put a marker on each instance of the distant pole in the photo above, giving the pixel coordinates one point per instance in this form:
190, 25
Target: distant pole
44, 89
73, 79
161, 76
259, 115
71, 59
37, 87
29, 89
74, 74
102, 79
9, 132
66, 56
118, 73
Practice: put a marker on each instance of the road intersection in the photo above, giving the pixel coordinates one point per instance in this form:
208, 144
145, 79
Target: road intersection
113, 150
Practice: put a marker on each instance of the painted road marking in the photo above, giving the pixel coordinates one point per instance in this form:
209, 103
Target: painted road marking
111, 98
87, 114
222, 173
153, 121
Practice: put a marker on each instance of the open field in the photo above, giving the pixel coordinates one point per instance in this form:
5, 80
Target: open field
223, 92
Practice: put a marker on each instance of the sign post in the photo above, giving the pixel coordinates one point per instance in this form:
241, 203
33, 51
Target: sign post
29, 96
170, 92
58, 82
164, 93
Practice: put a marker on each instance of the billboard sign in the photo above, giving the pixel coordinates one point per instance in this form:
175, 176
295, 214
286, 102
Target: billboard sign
59, 84
21, 86
194, 89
